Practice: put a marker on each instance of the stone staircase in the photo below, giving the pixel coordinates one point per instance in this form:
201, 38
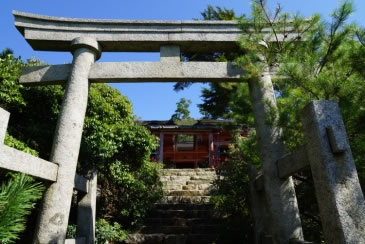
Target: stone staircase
184, 215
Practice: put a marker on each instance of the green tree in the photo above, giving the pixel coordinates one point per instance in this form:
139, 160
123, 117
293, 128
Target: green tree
324, 61
112, 143
182, 110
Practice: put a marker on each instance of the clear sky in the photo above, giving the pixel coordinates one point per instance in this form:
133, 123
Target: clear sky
150, 100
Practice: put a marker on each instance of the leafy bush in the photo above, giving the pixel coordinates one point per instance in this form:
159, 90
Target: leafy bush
112, 143
232, 197
107, 233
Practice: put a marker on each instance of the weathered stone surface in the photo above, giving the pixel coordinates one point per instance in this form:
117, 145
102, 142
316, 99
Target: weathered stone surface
18, 161
258, 208
279, 194
294, 241
293, 162
54, 216
86, 212
258, 182
339, 196
136, 72
170, 53
75, 241
81, 184
55, 34
52, 33
184, 193
4, 119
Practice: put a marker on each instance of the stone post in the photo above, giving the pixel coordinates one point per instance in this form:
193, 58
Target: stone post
339, 196
86, 212
53, 219
280, 194
4, 119
258, 208
170, 53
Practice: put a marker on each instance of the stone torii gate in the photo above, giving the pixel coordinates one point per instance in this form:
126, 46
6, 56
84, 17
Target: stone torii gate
87, 39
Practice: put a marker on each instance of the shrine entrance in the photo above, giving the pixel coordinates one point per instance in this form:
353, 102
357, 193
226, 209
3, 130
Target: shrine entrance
273, 187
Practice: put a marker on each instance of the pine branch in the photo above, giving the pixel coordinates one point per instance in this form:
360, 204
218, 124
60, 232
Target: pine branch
340, 15
271, 22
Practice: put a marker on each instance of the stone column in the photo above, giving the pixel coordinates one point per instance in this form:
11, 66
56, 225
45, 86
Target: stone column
86, 212
280, 194
170, 53
4, 120
339, 196
258, 208
55, 211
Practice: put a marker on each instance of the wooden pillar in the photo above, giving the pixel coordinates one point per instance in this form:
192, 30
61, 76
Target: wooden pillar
160, 157
211, 150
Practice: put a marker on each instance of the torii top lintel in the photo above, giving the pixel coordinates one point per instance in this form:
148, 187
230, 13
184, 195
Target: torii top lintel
55, 33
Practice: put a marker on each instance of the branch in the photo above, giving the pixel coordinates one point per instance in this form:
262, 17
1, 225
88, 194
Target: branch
340, 17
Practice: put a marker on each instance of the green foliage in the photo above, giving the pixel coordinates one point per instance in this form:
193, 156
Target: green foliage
17, 198
130, 194
182, 110
71, 231
231, 200
210, 13
218, 13
13, 142
324, 61
112, 143
107, 233
9, 72
119, 148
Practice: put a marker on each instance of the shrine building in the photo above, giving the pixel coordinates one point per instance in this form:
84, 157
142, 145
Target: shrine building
201, 144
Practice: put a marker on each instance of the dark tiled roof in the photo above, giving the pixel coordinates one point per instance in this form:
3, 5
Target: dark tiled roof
195, 125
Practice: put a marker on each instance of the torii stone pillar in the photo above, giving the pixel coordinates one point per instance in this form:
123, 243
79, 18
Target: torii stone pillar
55, 211
280, 194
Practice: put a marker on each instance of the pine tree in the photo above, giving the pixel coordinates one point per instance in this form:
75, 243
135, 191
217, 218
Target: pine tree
17, 199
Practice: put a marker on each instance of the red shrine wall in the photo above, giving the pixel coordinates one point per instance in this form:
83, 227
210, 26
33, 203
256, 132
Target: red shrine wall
203, 149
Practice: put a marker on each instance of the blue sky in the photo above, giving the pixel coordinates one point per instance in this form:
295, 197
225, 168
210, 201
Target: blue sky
150, 100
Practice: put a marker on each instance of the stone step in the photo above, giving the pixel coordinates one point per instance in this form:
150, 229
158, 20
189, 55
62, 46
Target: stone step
183, 206
197, 187
157, 238
185, 199
197, 229
188, 170
202, 239
175, 178
191, 174
208, 178
198, 182
182, 221
172, 239
157, 213
185, 193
